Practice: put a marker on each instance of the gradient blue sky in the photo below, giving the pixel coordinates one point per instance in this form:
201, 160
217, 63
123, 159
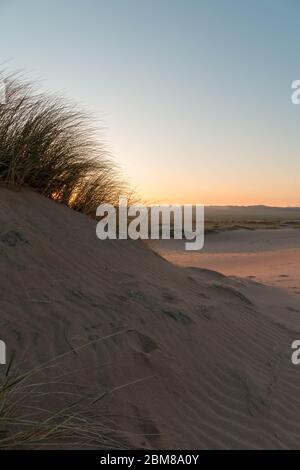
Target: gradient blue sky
195, 95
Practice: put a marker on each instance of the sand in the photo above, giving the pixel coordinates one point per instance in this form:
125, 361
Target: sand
268, 256
188, 358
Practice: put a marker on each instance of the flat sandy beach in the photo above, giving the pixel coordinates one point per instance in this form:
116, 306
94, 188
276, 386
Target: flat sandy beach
268, 256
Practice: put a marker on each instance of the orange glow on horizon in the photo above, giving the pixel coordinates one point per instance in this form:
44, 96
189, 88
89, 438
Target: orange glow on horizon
224, 200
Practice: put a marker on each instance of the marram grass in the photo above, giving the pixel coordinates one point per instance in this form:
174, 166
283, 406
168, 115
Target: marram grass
50, 145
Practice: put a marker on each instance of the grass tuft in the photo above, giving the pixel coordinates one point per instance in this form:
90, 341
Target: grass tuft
50, 145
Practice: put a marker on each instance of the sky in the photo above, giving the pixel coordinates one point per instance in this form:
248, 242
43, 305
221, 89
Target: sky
193, 96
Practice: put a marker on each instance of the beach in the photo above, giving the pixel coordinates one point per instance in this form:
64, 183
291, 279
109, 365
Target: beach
270, 256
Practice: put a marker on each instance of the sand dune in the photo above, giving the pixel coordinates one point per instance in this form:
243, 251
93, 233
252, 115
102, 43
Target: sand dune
192, 359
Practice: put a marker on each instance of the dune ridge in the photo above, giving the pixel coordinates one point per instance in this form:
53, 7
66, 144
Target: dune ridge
190, 359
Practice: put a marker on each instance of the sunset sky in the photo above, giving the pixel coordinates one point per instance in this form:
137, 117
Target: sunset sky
195, 95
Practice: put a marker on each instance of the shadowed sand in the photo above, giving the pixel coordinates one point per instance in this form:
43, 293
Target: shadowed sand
189, 358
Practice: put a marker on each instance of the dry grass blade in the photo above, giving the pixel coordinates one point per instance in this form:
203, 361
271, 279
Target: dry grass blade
50, 145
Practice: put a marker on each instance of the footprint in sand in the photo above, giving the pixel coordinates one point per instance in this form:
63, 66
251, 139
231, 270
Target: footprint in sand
169, 297
141, 343
12, 238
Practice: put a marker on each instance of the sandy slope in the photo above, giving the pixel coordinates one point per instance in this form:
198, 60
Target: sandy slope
207, 358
